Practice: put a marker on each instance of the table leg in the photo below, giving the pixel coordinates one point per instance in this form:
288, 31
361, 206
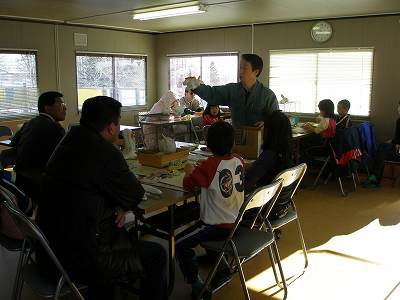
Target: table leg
171, 249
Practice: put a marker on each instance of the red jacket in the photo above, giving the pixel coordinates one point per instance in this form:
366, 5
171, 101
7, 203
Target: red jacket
209, 120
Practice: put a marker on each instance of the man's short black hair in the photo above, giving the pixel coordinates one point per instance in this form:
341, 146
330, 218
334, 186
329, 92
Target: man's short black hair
220, 138
345, 103
98, 112
255, 61
47, 99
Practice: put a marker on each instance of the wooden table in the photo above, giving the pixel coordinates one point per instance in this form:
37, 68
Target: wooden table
297, 138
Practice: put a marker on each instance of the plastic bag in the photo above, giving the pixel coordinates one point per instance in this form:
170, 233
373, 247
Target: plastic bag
166, 144
129, 151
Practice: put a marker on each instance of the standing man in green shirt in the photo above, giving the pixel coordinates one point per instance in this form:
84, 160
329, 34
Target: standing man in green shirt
249, 100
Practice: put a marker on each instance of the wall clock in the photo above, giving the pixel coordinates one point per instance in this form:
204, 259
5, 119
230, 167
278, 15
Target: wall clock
321, 32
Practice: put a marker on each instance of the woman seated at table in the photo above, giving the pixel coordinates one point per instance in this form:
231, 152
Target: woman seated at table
275, 157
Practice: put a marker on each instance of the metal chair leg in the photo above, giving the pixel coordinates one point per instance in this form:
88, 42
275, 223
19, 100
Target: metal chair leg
341, 187
354, 181
18, 283
320, 172
303, 244
271, 257
241, 274
328, 178
278, 260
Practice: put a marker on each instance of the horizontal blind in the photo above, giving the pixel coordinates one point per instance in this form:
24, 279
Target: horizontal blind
307, 76
18, 84
122, 77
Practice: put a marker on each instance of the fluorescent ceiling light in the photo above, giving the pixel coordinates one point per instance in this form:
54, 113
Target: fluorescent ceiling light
173, 10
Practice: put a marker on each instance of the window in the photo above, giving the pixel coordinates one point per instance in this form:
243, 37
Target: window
122, 77
214, 69
307, 76
18, 84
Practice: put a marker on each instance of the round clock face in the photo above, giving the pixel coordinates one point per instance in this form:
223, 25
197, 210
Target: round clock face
321, 31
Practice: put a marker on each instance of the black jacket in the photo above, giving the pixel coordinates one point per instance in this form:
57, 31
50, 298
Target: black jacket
35, 142
396, 138
85, 180
263, 171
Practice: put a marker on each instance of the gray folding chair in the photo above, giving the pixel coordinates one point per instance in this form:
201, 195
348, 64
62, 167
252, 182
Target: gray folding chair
27, 270
244, 243
5, 131
292, 177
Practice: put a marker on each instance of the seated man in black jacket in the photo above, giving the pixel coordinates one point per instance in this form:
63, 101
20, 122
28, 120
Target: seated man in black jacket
34, 143
87, 190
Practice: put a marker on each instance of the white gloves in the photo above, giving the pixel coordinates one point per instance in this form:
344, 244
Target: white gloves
192, 83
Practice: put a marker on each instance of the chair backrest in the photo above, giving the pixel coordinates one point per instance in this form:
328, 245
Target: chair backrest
7, 224
292, 175
196, 121
33, 234
368, 141
265, 195
4, 130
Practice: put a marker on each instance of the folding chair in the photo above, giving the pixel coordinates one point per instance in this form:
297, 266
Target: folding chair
244, 243
330, 158
291, 178
5, 131
27, 269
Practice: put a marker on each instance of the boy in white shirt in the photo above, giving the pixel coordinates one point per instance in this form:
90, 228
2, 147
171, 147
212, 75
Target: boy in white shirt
220, 178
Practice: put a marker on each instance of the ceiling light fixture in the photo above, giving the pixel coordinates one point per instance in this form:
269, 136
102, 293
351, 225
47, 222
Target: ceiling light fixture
172, 10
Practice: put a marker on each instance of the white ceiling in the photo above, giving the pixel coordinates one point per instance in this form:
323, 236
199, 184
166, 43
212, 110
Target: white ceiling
221, 13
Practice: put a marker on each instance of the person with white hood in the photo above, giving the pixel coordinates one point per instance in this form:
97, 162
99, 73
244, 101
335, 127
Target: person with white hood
166, 105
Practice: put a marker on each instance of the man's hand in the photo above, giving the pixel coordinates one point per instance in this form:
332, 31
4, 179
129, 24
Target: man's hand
397, 147
259, 124
192, 82
188, 169
120, 216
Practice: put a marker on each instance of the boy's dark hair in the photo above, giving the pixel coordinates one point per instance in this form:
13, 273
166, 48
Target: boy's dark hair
255, 61
98, 112
345, 103
220, 138
327, 107
208, 109
278, 135
47, 99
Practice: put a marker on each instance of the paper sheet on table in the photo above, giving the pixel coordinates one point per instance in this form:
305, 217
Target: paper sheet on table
202, 152
174, 180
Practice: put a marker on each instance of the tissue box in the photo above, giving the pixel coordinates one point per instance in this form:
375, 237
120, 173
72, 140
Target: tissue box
248, 141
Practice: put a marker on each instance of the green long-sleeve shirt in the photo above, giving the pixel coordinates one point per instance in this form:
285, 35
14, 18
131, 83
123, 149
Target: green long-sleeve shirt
260, 101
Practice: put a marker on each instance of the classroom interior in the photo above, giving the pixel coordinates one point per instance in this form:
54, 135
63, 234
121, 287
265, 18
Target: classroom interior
353, 242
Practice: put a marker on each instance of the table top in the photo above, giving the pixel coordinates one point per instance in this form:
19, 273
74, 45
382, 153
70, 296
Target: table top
165, 122
169, 197
5, 143
122, 127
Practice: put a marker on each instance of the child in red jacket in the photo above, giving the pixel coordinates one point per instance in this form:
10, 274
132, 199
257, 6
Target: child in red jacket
211, 115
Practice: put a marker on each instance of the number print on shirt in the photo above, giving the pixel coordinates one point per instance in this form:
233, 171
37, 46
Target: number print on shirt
239, 185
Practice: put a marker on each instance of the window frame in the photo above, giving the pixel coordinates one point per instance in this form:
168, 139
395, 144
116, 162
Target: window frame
313, 50
187, 55
24, 51
114, 55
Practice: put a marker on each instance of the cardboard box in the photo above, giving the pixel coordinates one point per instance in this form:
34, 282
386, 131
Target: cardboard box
161, 160
248, 141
